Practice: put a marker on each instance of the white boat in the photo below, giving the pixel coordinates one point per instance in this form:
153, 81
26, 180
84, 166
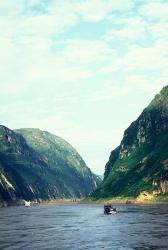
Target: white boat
27, 203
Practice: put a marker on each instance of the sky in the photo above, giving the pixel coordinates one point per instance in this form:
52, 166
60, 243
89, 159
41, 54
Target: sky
81, 69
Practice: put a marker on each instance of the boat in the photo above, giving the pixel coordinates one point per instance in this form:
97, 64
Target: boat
109, 209
27, 203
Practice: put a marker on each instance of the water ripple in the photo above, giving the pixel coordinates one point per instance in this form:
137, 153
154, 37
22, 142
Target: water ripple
80, 227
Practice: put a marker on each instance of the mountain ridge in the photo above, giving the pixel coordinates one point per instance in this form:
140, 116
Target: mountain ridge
139, 163
36, 164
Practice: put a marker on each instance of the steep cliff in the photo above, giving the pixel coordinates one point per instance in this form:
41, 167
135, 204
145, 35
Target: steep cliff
140, 163
35, 164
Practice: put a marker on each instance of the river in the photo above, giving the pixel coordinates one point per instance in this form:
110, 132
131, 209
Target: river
75, 227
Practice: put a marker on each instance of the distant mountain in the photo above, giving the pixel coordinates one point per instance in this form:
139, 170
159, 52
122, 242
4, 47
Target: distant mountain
35, 164
140, 162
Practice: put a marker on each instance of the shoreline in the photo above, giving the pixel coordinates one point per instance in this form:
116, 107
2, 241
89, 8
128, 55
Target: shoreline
40, 202
85, 201
125, 201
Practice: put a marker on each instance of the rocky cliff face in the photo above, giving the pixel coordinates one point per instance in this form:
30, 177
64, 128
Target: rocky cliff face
140, 161
35, 164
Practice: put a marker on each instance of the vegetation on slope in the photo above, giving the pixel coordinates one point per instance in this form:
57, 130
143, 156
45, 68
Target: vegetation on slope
38, 165
141, 161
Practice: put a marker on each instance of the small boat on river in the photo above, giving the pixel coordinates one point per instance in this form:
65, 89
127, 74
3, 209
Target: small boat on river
109, 209
27, 203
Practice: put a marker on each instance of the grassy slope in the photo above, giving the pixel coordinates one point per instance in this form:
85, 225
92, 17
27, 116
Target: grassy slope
128, 176
41, 165
131, 175
53, 148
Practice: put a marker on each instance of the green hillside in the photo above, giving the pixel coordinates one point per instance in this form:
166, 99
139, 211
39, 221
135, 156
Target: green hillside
140, 163
35, 164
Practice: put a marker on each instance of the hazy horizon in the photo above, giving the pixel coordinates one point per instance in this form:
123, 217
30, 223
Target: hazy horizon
82, 70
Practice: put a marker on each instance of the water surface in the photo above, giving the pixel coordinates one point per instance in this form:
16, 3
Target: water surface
65, 227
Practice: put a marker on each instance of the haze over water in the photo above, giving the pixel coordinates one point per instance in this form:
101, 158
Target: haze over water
65, 227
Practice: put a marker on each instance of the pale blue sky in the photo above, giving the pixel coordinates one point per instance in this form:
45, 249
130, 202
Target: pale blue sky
81, 69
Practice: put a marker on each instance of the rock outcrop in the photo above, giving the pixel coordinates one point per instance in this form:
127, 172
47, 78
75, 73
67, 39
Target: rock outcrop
140, 163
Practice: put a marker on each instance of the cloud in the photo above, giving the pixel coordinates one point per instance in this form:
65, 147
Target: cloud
155, 10
43, 25
54, 72
158, 30
91, 10
153, 57
7, 49
33, 3
133, 29
86, 51
108, 91
134, 83
141, 58
11, 8
18, 18
143, 42
30, 62
97, 10
145, 84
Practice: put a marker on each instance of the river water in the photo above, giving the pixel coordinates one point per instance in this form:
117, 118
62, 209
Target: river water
66, 227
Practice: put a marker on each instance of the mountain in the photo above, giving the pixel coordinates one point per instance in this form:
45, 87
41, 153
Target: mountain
35, 164
139, 165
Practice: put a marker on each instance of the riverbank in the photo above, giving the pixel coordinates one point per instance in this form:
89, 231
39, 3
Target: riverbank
41, 202
60, 201
143, 198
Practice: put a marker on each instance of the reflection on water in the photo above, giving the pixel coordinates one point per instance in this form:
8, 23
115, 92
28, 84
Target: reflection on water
76, 227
